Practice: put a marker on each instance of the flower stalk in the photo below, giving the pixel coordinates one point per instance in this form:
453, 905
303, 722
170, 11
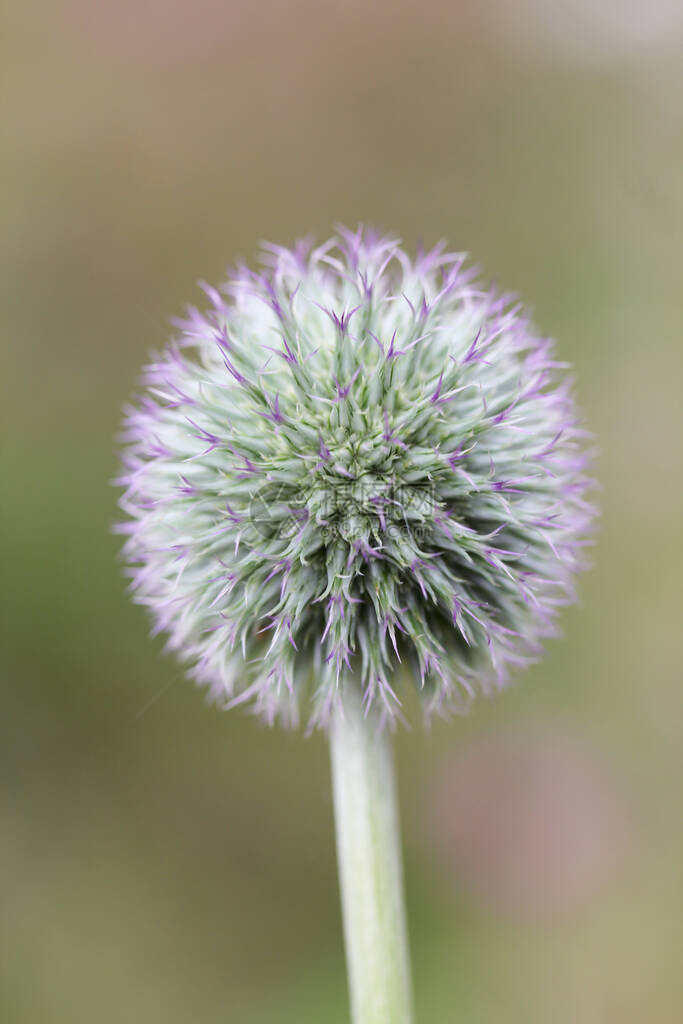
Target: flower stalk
370, 869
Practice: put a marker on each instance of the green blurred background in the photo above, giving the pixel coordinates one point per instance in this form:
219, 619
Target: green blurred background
162, 861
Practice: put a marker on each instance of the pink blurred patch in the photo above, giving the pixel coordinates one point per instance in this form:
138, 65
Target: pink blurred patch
166, 30
528, 822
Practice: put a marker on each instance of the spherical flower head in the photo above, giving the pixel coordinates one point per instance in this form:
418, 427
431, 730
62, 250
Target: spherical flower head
355, 467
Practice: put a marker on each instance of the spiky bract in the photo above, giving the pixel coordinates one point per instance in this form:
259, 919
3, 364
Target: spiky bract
355, 459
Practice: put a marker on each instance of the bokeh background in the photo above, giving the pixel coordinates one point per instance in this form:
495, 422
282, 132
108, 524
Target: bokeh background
162, 861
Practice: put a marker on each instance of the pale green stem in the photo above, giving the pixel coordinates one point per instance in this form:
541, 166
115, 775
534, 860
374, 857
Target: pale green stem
370, 872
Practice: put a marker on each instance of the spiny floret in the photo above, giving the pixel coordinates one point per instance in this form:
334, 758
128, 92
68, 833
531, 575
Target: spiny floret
355, 464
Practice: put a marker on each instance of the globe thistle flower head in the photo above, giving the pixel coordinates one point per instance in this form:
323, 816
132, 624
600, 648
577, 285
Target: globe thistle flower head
355, 465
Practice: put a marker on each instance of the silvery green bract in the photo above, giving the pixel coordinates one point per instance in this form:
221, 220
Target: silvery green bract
355, 465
